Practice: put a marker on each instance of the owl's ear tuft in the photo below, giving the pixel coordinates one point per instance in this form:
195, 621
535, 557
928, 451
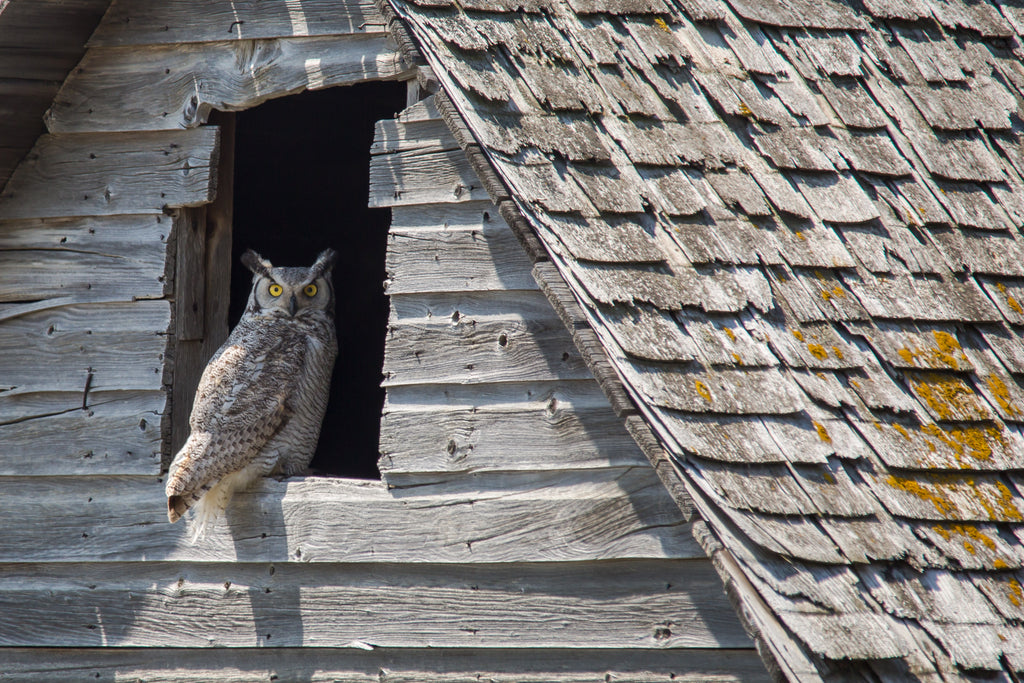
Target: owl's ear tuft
324, 262
256, 263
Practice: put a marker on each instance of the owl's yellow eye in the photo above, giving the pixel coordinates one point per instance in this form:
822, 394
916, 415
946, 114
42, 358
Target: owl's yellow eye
310, 290
275, 290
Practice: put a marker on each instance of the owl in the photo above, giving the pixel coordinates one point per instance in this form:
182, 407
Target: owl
262, 396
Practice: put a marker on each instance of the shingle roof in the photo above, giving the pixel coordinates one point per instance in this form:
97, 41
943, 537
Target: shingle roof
794, 227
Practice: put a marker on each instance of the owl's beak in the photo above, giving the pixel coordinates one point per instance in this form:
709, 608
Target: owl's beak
293, 306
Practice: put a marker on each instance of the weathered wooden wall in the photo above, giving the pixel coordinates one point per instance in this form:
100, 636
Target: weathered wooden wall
518, 515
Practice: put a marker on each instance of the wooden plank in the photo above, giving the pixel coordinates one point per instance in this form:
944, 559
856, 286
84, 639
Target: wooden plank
485, 256
639, 604
423, 177
88, 347
480, 350
103, 175
176, 86
33, 274
601, 514
190, 275
398, 135
190, 357
113, 258
557, 430
119, 433
393, 665
153, 22
528, 303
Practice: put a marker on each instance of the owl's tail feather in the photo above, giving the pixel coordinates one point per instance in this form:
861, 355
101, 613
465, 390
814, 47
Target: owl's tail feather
185, 485
213, 501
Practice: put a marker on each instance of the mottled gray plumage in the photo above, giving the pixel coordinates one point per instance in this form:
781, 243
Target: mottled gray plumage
262, 397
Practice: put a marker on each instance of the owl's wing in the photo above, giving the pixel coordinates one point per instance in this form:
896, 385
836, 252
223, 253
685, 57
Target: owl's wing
242, 401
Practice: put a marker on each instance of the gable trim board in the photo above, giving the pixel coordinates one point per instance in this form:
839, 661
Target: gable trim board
890, 637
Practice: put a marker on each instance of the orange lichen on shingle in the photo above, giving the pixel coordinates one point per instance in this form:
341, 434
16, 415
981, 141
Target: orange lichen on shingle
660, 23
949, 397
836, 292
969, 532
946, 342
939, 357
1010, 301
976, 442
839, 352
798, 334
736, 359
729, 333
1003, 507
1015, 593
945, 507
703, 391
1002, 395
818, 351
957, 497
822, 432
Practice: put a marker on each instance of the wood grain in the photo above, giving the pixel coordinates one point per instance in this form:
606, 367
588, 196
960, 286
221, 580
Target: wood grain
120, 345
190, 274
176, 86
460, 257
188, 21
423, 177
113, 258
103, 175
51, 434
480, 350
393, 665
636, 604
602, 514
562, 433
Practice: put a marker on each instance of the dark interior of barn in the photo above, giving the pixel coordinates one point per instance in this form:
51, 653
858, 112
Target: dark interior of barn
301, 185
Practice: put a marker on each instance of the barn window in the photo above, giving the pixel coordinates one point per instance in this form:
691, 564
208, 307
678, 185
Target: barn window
300, 184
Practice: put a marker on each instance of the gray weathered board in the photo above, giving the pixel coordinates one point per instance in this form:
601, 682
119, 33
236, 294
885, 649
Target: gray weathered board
94, 174
49, 434
605, 605
157, 22
176, 86
566, 426
112, 258
391, 665
602, 514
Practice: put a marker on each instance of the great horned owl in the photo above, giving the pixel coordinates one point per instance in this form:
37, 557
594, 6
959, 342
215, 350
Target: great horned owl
262, 396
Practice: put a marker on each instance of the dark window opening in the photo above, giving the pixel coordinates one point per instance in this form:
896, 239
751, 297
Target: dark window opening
301, 185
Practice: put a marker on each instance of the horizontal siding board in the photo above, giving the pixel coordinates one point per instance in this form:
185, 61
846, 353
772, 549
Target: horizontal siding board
119, 433
156, 21
393, 665
531, 436
572, 516
93, 174
165, 87
460, 254
477, 351
120, 345
530, 302
423, 176
113, 258
620, 604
